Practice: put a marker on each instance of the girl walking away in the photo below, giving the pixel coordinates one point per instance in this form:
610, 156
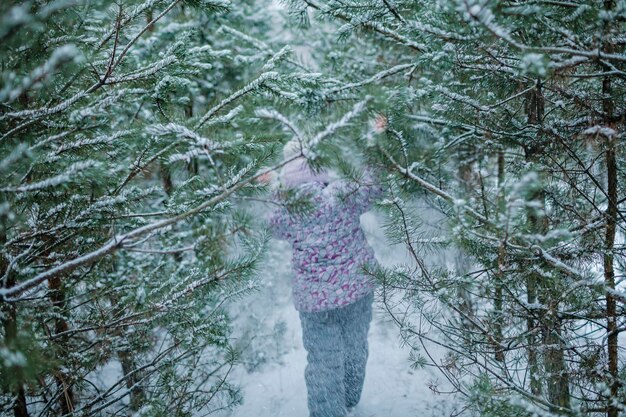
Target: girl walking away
330, 290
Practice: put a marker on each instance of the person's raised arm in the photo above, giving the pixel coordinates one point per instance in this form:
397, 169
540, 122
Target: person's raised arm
276, 218
277, 221
368, 190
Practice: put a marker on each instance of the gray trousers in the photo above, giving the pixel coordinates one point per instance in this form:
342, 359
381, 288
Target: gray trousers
336, 343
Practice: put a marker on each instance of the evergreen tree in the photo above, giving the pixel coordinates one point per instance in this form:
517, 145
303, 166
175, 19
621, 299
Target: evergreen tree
506, 116
129, 132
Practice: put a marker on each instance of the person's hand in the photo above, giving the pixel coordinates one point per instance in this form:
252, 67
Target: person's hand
377, 125
264, 178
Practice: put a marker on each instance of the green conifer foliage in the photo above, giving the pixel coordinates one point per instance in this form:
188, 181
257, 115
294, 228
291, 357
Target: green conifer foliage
126, 129
506, 117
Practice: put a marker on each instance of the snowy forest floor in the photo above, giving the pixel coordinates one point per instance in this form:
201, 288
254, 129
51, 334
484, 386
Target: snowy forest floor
272, 375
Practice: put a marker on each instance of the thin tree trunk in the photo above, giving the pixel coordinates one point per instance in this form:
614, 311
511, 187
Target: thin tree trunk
534, 110
557, 376
149, 18
554, 358
8, 313
132, 378
611, 222
531, 326
166, 179
192, 166
19, 407
9, 324
462, 262
609, 279
498, 302
129, 368
63, 380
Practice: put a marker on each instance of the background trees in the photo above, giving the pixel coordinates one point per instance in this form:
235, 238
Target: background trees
131, 133
126, 132
507, 116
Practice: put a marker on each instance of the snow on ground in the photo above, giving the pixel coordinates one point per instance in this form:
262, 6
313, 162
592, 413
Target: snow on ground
391, 388
272, 378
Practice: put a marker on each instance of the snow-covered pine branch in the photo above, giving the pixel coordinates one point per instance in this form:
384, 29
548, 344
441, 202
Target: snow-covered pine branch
99, 219
248, 88
275, 115
344, 121
505, 133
